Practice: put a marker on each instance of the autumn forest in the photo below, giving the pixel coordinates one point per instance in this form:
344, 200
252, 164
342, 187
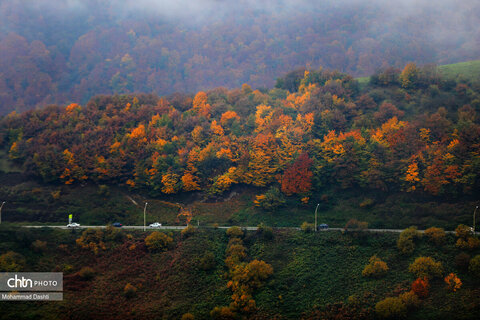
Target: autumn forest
408, 130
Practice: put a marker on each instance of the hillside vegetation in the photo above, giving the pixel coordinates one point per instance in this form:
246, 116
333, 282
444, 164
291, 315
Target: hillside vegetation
315, 275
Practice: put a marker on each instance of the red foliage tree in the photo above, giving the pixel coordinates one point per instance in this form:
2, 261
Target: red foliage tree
298, 178
421, 287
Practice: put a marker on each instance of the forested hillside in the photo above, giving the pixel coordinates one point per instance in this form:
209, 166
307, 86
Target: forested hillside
68, 51
406, 131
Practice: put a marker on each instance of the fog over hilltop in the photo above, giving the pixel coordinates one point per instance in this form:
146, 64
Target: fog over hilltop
60, 51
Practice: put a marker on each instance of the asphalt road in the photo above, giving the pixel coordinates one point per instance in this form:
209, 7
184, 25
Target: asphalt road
244, 228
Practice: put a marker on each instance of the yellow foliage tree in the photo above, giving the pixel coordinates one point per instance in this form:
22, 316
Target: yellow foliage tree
170, 183
190, 182
200, 104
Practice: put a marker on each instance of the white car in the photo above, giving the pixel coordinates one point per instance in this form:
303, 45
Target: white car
73, 225
155, 225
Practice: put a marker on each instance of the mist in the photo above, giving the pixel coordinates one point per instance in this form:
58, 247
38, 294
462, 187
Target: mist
93, 47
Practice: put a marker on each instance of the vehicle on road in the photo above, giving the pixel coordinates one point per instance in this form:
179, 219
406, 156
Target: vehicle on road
117, 224
323, 226
73, 225
155, 225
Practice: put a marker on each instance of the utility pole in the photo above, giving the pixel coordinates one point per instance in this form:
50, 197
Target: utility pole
145, 216
474, 212
316, 217
2, 207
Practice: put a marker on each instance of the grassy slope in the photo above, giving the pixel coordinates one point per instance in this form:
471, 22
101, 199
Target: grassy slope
469, 70
310, 271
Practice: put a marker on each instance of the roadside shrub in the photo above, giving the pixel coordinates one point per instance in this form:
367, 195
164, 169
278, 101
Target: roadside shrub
376, 268
410, 299
39, 246
474, 266
462, 260
222, 313
391, 308
158, 241
356, 225
411, 233
129, 291
463, 231
405, 241
92, 239
436, 235
469, 243
86, 273
188, 316
453, 282
188, 231
307, 227
265, 232
426, 267
421, 287
234, 232
113, 234
207, 262
11, 262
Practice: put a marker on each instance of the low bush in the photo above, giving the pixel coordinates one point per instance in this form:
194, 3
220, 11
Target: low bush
391, 308
207, 262
376, 268
129, 291
474, 266
436, 235
39, 246
410, 299
188, 316
406, 239
158, 241
426, 267
233, 232
86, 273
307, 227
11, 261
